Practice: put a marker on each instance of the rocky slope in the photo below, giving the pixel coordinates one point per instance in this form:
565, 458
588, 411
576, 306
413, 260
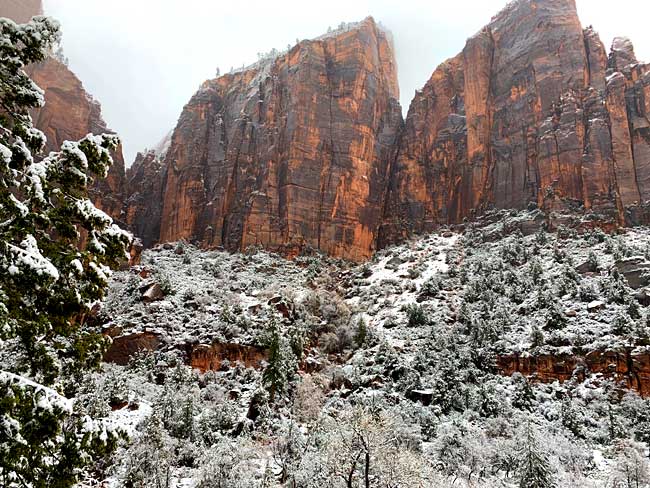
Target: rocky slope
292, 152
532, 110
70, 112
436, 332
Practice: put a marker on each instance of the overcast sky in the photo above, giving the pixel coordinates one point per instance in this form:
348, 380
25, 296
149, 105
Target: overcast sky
143, 59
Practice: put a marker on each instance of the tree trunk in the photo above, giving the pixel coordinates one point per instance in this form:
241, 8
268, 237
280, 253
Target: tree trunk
367, 472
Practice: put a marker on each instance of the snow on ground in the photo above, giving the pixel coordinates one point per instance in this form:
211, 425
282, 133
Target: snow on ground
215, 296
395, 279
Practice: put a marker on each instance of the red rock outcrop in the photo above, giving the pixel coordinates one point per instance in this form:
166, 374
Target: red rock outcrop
210, 358
629, 368
70, 113
124, 347
198, 356
290, 153
532, 110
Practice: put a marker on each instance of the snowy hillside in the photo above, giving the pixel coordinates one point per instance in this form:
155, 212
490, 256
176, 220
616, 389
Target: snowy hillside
397, 358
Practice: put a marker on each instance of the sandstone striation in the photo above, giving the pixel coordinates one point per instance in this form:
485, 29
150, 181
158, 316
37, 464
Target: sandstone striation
288, 154
533, 111
630, 368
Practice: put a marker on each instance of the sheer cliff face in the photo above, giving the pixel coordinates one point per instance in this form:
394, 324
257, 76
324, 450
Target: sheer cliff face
532, 110
21, 11
70, 113
145, 181
309, 150
291, 153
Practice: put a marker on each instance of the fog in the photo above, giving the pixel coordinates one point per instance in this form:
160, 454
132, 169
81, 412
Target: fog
143, 59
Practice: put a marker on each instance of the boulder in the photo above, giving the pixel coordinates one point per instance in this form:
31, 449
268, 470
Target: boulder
425, 397
643, 296
636, 271
124, 347
152, 293
595, 306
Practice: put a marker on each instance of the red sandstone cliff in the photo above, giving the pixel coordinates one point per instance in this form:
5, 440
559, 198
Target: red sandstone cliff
308, 150
628, 367
290, 153
21, 11
145, 181
532, 110
70, 113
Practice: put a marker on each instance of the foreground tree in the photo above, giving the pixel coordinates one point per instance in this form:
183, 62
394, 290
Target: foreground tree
56, 251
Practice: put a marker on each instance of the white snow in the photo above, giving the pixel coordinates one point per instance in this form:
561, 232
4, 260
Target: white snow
30, 256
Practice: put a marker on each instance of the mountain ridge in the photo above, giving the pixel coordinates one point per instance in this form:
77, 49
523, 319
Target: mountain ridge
308, 149
531, 112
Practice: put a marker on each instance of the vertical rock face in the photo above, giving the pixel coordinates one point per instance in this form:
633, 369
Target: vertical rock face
291, 153
145, 181
532, 110
70, 113
309, 150
21, 11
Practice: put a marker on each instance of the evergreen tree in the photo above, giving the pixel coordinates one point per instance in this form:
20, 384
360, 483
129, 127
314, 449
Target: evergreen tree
361, 333
592, 262
49, 275
523, 396
622, 325
535, 471
536, 271
276, 374
536, 337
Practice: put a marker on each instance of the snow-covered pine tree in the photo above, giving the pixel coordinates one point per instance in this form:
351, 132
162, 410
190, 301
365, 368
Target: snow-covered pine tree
535, 471
49, 279
275, 375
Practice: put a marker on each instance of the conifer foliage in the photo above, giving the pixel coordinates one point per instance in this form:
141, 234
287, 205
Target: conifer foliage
535, 471
56, 251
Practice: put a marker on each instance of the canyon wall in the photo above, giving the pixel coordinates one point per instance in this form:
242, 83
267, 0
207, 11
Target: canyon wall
291, 153
70, 113
532, 111
308, 149
21, 11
